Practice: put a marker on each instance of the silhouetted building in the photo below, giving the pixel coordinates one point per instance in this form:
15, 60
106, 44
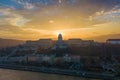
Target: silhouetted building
80, 43
75, 42
113, 41
45, 43
41, 43
29, 45
60, 43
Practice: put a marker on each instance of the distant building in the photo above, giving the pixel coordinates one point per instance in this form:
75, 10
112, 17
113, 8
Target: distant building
88, 43
75, 42
90, 61
48, 43
45, 43
113, 41
80, 43
29, 45
116, 58
60, 43
41, 43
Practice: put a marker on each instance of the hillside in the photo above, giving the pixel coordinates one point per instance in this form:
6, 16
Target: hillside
9, 42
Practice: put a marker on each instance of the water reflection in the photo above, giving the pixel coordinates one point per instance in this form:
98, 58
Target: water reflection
6, 74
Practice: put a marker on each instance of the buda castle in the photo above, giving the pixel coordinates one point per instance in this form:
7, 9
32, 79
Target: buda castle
59, 43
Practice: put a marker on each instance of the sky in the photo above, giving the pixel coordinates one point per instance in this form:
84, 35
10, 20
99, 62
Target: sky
35, 19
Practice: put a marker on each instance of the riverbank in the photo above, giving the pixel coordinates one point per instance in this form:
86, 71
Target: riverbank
60, 71
8, 74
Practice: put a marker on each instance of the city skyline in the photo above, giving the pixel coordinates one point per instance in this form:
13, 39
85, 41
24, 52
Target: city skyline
34, 19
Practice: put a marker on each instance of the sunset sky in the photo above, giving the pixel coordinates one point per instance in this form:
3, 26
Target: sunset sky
35, 19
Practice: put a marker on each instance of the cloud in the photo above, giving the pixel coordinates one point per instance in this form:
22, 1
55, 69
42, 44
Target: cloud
44, 17
39, 13
27, 4
17, 21
101, 17
9, 16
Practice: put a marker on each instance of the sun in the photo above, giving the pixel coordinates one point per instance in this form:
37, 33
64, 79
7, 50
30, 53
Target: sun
58, 32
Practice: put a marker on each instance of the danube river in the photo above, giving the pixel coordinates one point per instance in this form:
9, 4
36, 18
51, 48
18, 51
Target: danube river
6, 74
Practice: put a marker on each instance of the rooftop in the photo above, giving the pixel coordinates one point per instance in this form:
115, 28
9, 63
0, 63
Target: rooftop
113, 40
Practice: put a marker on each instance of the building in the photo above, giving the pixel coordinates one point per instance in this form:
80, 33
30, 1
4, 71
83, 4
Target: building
113, 41
75, 42
45, 43
34, 45
60, 43
80, 43
29, 45
88, 42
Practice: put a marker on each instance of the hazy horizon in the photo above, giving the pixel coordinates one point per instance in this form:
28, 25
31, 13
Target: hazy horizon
97, 38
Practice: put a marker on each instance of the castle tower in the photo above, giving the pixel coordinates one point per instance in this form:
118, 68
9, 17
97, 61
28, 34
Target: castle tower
60, 37
60, 43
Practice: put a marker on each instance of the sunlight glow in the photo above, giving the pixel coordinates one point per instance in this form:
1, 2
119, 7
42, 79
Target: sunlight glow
59, 32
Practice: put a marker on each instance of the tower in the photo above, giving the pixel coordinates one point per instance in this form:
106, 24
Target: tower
60, 37
60, 43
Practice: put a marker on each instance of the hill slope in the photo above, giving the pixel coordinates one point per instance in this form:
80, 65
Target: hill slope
9, 42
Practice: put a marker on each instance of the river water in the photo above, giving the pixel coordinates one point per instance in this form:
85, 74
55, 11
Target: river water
6, 74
